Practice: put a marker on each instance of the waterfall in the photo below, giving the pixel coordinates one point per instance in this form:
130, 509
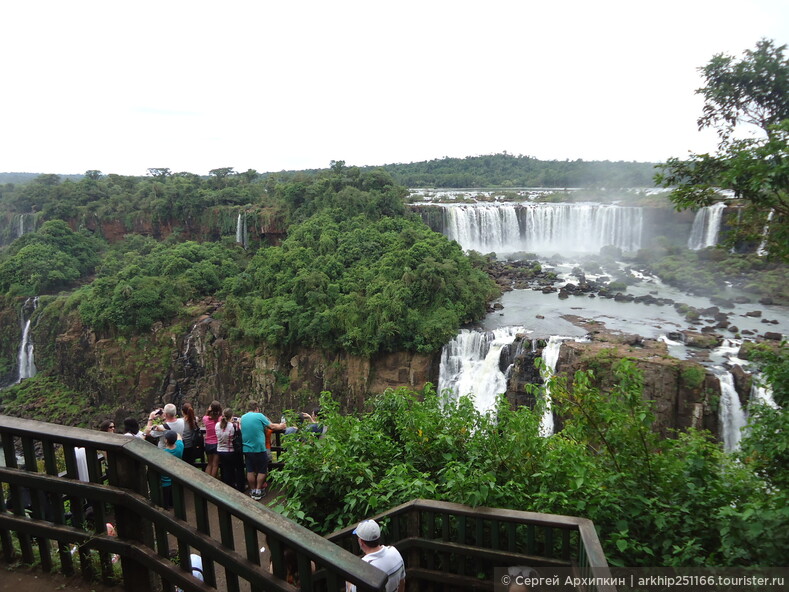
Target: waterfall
27, 366
762, 394
536, 227
762, 250
706, 226
241, 229
22, 225
730, 414
470, 365
550, 356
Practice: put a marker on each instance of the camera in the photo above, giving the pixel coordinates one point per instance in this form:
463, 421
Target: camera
160, 412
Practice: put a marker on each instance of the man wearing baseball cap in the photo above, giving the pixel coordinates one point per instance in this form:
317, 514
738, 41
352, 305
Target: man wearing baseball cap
385, 558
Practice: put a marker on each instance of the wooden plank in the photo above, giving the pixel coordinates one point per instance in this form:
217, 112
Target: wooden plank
5, 535
226, 536
447, 580
465, 552
9, 450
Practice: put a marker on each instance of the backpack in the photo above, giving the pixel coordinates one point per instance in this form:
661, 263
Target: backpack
238, 443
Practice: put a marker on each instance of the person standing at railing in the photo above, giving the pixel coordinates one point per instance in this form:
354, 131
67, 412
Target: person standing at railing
131, 427
170, 421
225, 430
210, 419
253, 434
385, 558
174, 445
191, 435
107, 426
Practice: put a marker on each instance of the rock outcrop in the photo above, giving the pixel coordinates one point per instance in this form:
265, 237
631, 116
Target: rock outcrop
682, 391
199, 363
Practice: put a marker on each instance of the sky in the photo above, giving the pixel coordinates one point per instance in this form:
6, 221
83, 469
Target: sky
195, 85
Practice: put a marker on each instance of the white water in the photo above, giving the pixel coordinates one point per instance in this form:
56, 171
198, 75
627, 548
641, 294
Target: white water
706, 227
762, 394
27, 365
22, 225
470, 365
550, 356
546, 228
762, 250
241, 230
731, 415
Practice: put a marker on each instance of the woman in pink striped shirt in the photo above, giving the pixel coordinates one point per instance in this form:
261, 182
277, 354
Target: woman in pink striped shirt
210, 419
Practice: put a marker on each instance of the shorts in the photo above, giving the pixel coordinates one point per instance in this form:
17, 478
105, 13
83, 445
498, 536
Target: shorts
257, 462
210, 448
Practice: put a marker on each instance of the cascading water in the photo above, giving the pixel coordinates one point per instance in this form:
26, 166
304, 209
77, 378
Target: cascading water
506, 228
550, 356
470, 365
241, 230
706, 226
22, 225
731, 415
762, 394
762, 250
27, 365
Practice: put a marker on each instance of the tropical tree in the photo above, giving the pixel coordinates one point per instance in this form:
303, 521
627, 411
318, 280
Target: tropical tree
754, 92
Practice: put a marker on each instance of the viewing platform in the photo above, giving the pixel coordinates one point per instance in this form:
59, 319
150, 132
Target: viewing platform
50, 518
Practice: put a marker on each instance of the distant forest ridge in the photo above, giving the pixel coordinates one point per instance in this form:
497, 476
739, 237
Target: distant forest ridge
493, 170
507, 170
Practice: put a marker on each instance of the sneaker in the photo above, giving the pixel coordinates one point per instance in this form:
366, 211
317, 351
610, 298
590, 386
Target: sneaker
263, 493
256, 495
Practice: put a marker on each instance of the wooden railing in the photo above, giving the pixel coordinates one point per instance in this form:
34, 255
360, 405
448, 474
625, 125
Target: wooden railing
449, 546
48, 516
59, 521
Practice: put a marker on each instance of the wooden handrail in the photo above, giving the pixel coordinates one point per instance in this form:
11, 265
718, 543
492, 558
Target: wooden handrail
440, 541
429, 531
133, 471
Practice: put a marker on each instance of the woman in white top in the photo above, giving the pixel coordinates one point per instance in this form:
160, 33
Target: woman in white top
225, 430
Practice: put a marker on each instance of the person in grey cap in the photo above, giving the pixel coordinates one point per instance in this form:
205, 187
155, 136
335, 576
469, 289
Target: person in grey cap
387, 559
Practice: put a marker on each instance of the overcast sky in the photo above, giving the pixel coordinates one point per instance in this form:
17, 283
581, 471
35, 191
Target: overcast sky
122, 86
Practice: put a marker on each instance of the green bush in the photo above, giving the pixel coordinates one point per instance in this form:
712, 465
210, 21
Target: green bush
137, 288
360, 285
51, 259
677, 502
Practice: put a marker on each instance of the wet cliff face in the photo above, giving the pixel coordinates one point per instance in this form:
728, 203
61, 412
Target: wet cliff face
197, 362
263, 225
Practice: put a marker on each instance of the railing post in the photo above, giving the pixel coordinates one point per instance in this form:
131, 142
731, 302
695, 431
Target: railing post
130, 474
413, 532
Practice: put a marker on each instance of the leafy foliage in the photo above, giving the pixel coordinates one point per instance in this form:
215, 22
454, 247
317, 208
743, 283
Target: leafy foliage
356, 275
507, 170
136, 288
654, 502
754, 91
47, 399
711, 271
161, 196
51, 259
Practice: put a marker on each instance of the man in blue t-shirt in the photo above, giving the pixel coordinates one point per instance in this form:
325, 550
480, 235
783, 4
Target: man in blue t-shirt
253, 434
